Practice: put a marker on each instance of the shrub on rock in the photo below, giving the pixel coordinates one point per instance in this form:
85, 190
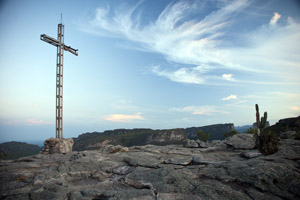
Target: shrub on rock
267, 142
201, 135
231, 133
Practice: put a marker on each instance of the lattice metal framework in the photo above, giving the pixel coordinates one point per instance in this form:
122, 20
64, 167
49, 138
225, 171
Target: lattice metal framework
59, 43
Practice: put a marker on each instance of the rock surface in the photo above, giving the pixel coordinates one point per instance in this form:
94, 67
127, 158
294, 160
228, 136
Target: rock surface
155, 172
251, 154
241, 141
288, 135
56, 145
195, 144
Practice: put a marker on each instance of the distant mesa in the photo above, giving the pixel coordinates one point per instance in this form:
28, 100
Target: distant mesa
220, 169
255, 125
243, 129
139, 137
14, 150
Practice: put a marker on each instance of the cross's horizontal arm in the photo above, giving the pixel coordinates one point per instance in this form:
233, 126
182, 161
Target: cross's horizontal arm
55, 42
71, 50
50, 40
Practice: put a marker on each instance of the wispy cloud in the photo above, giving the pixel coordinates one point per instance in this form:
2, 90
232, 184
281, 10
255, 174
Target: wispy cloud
123, 104
27, 122
123, 118
269, 52
236, 103
295, 108
33, 122
286, 94
8, 122
275, 18
199, 110
230, 97
182, 75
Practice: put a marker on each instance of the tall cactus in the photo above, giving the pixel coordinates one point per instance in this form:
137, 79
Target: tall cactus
260, 123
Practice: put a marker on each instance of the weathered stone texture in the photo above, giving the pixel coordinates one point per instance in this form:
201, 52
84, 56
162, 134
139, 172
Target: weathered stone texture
241, 141
156, 173
56, 145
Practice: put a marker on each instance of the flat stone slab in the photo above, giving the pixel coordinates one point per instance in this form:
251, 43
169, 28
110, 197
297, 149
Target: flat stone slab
251, 154
241, 141
179, 161
201, 161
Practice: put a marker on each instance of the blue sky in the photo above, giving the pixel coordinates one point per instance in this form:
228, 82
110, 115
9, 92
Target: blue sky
150, 64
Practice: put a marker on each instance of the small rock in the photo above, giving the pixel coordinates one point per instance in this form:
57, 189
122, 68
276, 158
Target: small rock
179, 161
250, 154
220, 147
201, 144
123, 170
191, 144
38, 182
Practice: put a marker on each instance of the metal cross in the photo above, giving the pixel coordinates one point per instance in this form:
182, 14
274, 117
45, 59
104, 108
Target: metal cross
59, 43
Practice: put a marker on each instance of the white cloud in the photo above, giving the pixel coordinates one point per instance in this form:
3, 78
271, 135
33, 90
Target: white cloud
275, 18
182, 75
295, 108
286, 94
172, 34
228, 77
199, 110
230, 97
236, 103
267, 50
123, 118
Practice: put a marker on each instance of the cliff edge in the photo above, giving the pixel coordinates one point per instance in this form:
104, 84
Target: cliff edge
216, 170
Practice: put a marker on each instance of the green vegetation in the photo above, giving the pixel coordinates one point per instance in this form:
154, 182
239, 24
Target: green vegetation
133, 138
201, 135
266, 141
3, 155
252, 131
231, 133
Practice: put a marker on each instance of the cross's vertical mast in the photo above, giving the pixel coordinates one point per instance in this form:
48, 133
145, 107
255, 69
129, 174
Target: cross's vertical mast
59, 81
61, 47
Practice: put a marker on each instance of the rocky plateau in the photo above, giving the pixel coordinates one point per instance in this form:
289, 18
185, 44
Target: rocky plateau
227, 169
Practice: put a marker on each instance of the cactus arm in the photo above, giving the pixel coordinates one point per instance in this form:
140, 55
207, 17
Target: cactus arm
257, 119
260, 122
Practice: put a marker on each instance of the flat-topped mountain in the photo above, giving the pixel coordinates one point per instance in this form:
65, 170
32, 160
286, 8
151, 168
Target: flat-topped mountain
13, 150
227, 169
132, 137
